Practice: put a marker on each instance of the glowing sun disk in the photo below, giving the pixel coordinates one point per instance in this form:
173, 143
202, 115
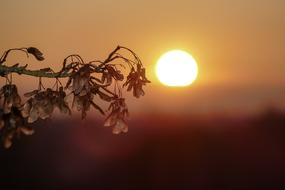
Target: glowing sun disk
176, 68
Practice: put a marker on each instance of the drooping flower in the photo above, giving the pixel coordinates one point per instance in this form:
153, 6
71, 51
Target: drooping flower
135, 81
116, 74
109, 73
83, 104
79, 82
60, 101
84, 88
11, 97
116, 118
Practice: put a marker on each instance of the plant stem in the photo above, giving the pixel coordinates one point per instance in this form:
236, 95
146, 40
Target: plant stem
4, 70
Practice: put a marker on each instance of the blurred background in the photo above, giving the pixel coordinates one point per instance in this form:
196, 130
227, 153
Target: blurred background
226, 131
158, 152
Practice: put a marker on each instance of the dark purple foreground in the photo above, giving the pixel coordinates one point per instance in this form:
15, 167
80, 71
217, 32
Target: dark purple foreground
159, 152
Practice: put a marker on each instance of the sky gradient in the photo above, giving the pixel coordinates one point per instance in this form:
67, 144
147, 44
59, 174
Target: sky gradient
238, 44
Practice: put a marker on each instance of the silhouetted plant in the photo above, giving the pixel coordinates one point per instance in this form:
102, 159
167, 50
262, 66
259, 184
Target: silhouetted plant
86, 80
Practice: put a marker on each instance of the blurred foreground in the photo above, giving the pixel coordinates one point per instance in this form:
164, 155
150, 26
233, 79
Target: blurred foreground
158, 152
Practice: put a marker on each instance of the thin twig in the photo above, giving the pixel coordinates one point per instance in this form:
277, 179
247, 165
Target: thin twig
6, 53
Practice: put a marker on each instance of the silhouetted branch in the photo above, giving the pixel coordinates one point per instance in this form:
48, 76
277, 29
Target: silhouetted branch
64, 72
86, 80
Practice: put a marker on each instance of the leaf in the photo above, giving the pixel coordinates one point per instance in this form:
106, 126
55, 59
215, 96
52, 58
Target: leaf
36, 52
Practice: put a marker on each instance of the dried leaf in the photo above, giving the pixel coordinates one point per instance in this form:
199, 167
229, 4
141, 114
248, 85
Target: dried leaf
36, 53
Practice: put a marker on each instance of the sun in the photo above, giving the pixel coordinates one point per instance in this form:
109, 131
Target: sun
176, 68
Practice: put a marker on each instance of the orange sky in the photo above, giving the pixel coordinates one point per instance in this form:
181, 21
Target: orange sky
239, 44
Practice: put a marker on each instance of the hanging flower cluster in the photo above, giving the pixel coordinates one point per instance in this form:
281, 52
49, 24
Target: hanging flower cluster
11, 120
11, 97
87, 83
116, 118
136, 80
41, 104
84, 88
